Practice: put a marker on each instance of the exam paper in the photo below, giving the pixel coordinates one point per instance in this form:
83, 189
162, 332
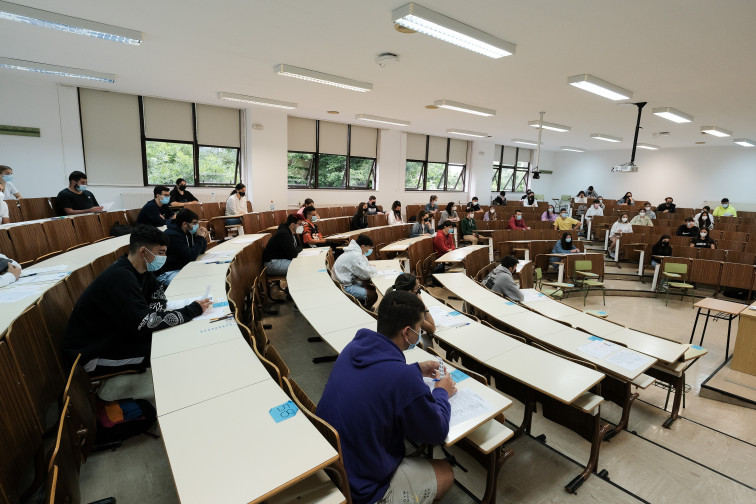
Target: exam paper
50, 277
389, 272
13, 294
443, 318
629, 360
599, 348
466, 405
107, 206
39, 271
531, 295
310, 252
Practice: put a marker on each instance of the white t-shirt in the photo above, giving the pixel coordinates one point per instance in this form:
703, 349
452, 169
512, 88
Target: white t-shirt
8, 278
10, 190
4, 211
236, 206
594, 212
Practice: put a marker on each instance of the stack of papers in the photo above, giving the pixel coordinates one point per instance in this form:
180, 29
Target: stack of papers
41, 278
532, 295
39, 271
446, 319
311, 252
388, 272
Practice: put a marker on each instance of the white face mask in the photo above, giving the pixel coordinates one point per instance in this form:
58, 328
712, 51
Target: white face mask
624, 219
300, 229
648, 208
642, 214
703, 235
705, 217
454, 209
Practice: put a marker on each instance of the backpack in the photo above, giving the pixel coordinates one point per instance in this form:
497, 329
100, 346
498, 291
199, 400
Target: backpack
119, 229
124, 418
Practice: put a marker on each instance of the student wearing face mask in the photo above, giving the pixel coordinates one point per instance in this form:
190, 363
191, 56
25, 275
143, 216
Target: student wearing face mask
661, 248
469, 228
649, 210
594, 210
491, 214
667, 206
549, 215
501, 199
564, 222
311, 236
443, 242
6, 174
180, 195
395, 215
725, 209
409, 283
375, 400
501, 279
689, 229
112, 322
187, 240
236, 204
517, 222
642, 219
76, 199
705, 221
359, 219
620, 227
449, 213
432, 206
421, 227
530, 200
591, 193
703, 240
4, 211
283, 246
156, 212
563, 246
627, 199
353, 270
474, 205
706, 208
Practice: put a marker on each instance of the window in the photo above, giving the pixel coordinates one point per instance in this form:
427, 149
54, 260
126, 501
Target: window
511, 168
435, 163
327, 155
200, 143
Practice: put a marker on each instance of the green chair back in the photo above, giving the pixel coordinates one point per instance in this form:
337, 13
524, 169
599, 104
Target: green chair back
583, 265
677, 268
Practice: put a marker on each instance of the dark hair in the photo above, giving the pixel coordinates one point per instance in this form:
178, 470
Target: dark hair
531, 198
179, 180
725, 200
433, 197
397, 310
5, 167
185, 215
159, 189
422, 213
579, 193
238, 187
361, 210
475, 198
308, 210
372, 197
143, 235
449, 207
446, 223
619, 217
565, 245
690, 219
509, 261
501, 193
662, 239
364, 240
708, 208
308, 202
590, 188
628, 192
292, 218
76, 176
701, 223
518, 210
393, 209
669, 197
404, 282
595, 200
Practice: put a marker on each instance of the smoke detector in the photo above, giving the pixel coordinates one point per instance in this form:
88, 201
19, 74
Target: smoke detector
385, 59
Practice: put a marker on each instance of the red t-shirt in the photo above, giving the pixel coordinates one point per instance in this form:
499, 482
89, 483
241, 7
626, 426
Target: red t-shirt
517, 224
443, 243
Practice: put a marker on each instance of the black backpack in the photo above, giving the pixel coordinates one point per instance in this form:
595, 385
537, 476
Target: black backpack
124, 418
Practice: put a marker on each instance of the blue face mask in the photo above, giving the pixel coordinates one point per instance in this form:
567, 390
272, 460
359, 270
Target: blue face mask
413, 345
157, 261
82, 187
194, 229
568, 239
314, 218
367, 254
165, 200
725, 205
8, 178
519, 217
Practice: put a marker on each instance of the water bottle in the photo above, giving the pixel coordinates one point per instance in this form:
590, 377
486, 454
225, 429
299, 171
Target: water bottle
212, 197
272, 206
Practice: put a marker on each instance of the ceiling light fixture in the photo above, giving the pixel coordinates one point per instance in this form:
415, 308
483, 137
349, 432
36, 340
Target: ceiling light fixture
70, 24
606, 138
384, 120
672, 115
525, 142
423, 20
648, 146
461, 107
265, 102
549, 126
600, 87
473, 134
744, 142
322, 78
44, 68
571, 149
716, 131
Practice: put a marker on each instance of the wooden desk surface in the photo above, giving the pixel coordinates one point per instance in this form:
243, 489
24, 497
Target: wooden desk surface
214, 447
459, 254
350, 234
721, 306
402, 245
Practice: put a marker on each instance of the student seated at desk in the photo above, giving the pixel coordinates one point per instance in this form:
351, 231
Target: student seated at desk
307, 202
450, 213
408, 282
725, 209
688, 229
707, 210
111, 324
179, 194
491, 214
704, 220
432, 206
421, 227
468, 227
501, 279
641, 219
667, 206
627, 199
516, 221
594, 210
187, 240
661, 248
4, 210
156, 212
283, 246
359, 219
580, 198
620, 227
76, 199
236, 204
395, 215
6, 173
530, 200
703, 240
548, 215
375, 401
501, 199
649, 210
564, 222
372, 208
310, 234
563, 246
474, 205
443, 242
10, 270
591, 193
352, 270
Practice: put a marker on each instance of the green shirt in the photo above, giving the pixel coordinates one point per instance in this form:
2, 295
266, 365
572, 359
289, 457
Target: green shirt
468, 226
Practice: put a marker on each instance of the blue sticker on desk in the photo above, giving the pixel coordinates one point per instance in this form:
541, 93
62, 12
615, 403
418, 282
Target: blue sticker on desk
457, 376
455, 312
215, 327
601, 312
697, 347
509, 303
284, 412
322, 271
220, 304
595, 338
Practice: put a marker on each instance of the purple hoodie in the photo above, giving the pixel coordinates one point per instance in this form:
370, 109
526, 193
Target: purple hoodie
375, 400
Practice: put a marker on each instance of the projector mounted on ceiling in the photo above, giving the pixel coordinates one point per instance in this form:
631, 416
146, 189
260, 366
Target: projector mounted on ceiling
627, 167
631, 166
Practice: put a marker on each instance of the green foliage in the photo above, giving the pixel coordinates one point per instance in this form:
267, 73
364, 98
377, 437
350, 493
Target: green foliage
331, 170
412, 175
359, 172
300, 165
217, 165
167, 161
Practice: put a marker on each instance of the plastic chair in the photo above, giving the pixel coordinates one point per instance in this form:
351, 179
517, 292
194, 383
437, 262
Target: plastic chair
558, 290
587, 280
676, 275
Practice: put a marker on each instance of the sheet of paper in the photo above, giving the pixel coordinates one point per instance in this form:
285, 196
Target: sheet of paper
214, 312
13, 294
389, 272
629, 360
176, 304
246, 239
598, 348
532, 295
107, 206
219, 252
49, 277
520, 264
466, 405
310, 252
444, 318
39, 271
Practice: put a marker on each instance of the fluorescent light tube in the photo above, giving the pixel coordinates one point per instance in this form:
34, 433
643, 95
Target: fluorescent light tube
44, 68
524, 142
461, 107
600, 87
571, 149
322, 78
384, 120
606, 138
716, 131
550, 126
672, 115
473, 134
745, 142
423, 20
648, 146
253, 100
61, 22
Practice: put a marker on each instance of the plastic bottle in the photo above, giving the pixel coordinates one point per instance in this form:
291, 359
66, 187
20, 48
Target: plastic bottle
272, 206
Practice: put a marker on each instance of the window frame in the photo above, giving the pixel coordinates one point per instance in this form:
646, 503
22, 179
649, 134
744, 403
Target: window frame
195, 150
517, 174
313, 181
423, 175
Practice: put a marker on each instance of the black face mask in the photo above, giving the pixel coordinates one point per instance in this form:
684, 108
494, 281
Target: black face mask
242, 194
182, 187
665, 243
425, 220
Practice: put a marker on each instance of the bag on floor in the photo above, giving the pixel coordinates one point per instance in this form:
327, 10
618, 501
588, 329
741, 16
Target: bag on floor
119, 229
124, 418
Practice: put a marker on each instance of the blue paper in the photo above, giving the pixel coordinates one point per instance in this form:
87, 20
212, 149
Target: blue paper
457, 376
322, 270
509, 303
697, 347
595, 338
284, 411
220, 304
455, 312
601, 312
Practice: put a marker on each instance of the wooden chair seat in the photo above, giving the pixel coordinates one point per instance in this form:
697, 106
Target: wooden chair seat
490, 436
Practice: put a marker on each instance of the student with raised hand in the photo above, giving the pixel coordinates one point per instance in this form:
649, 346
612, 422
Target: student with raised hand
501, 199
432, 206
450, 213
372, 208
421, 227
409, 283
627, 199
76, 199
307, 202
705, 221
564, 222
157, 211
236, 204
10, 270
501, 279
563, 246
649, 210
180, 196
548, 215
688, 229
359, 219
661, 248
620, 227
474, 205
725, 209
283, 246
6, 173
311, 234
703, 240
187, 241
469, 228
517, 222
112, 323
667, 206
353, 270
375, 400
395, 215
641, 219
